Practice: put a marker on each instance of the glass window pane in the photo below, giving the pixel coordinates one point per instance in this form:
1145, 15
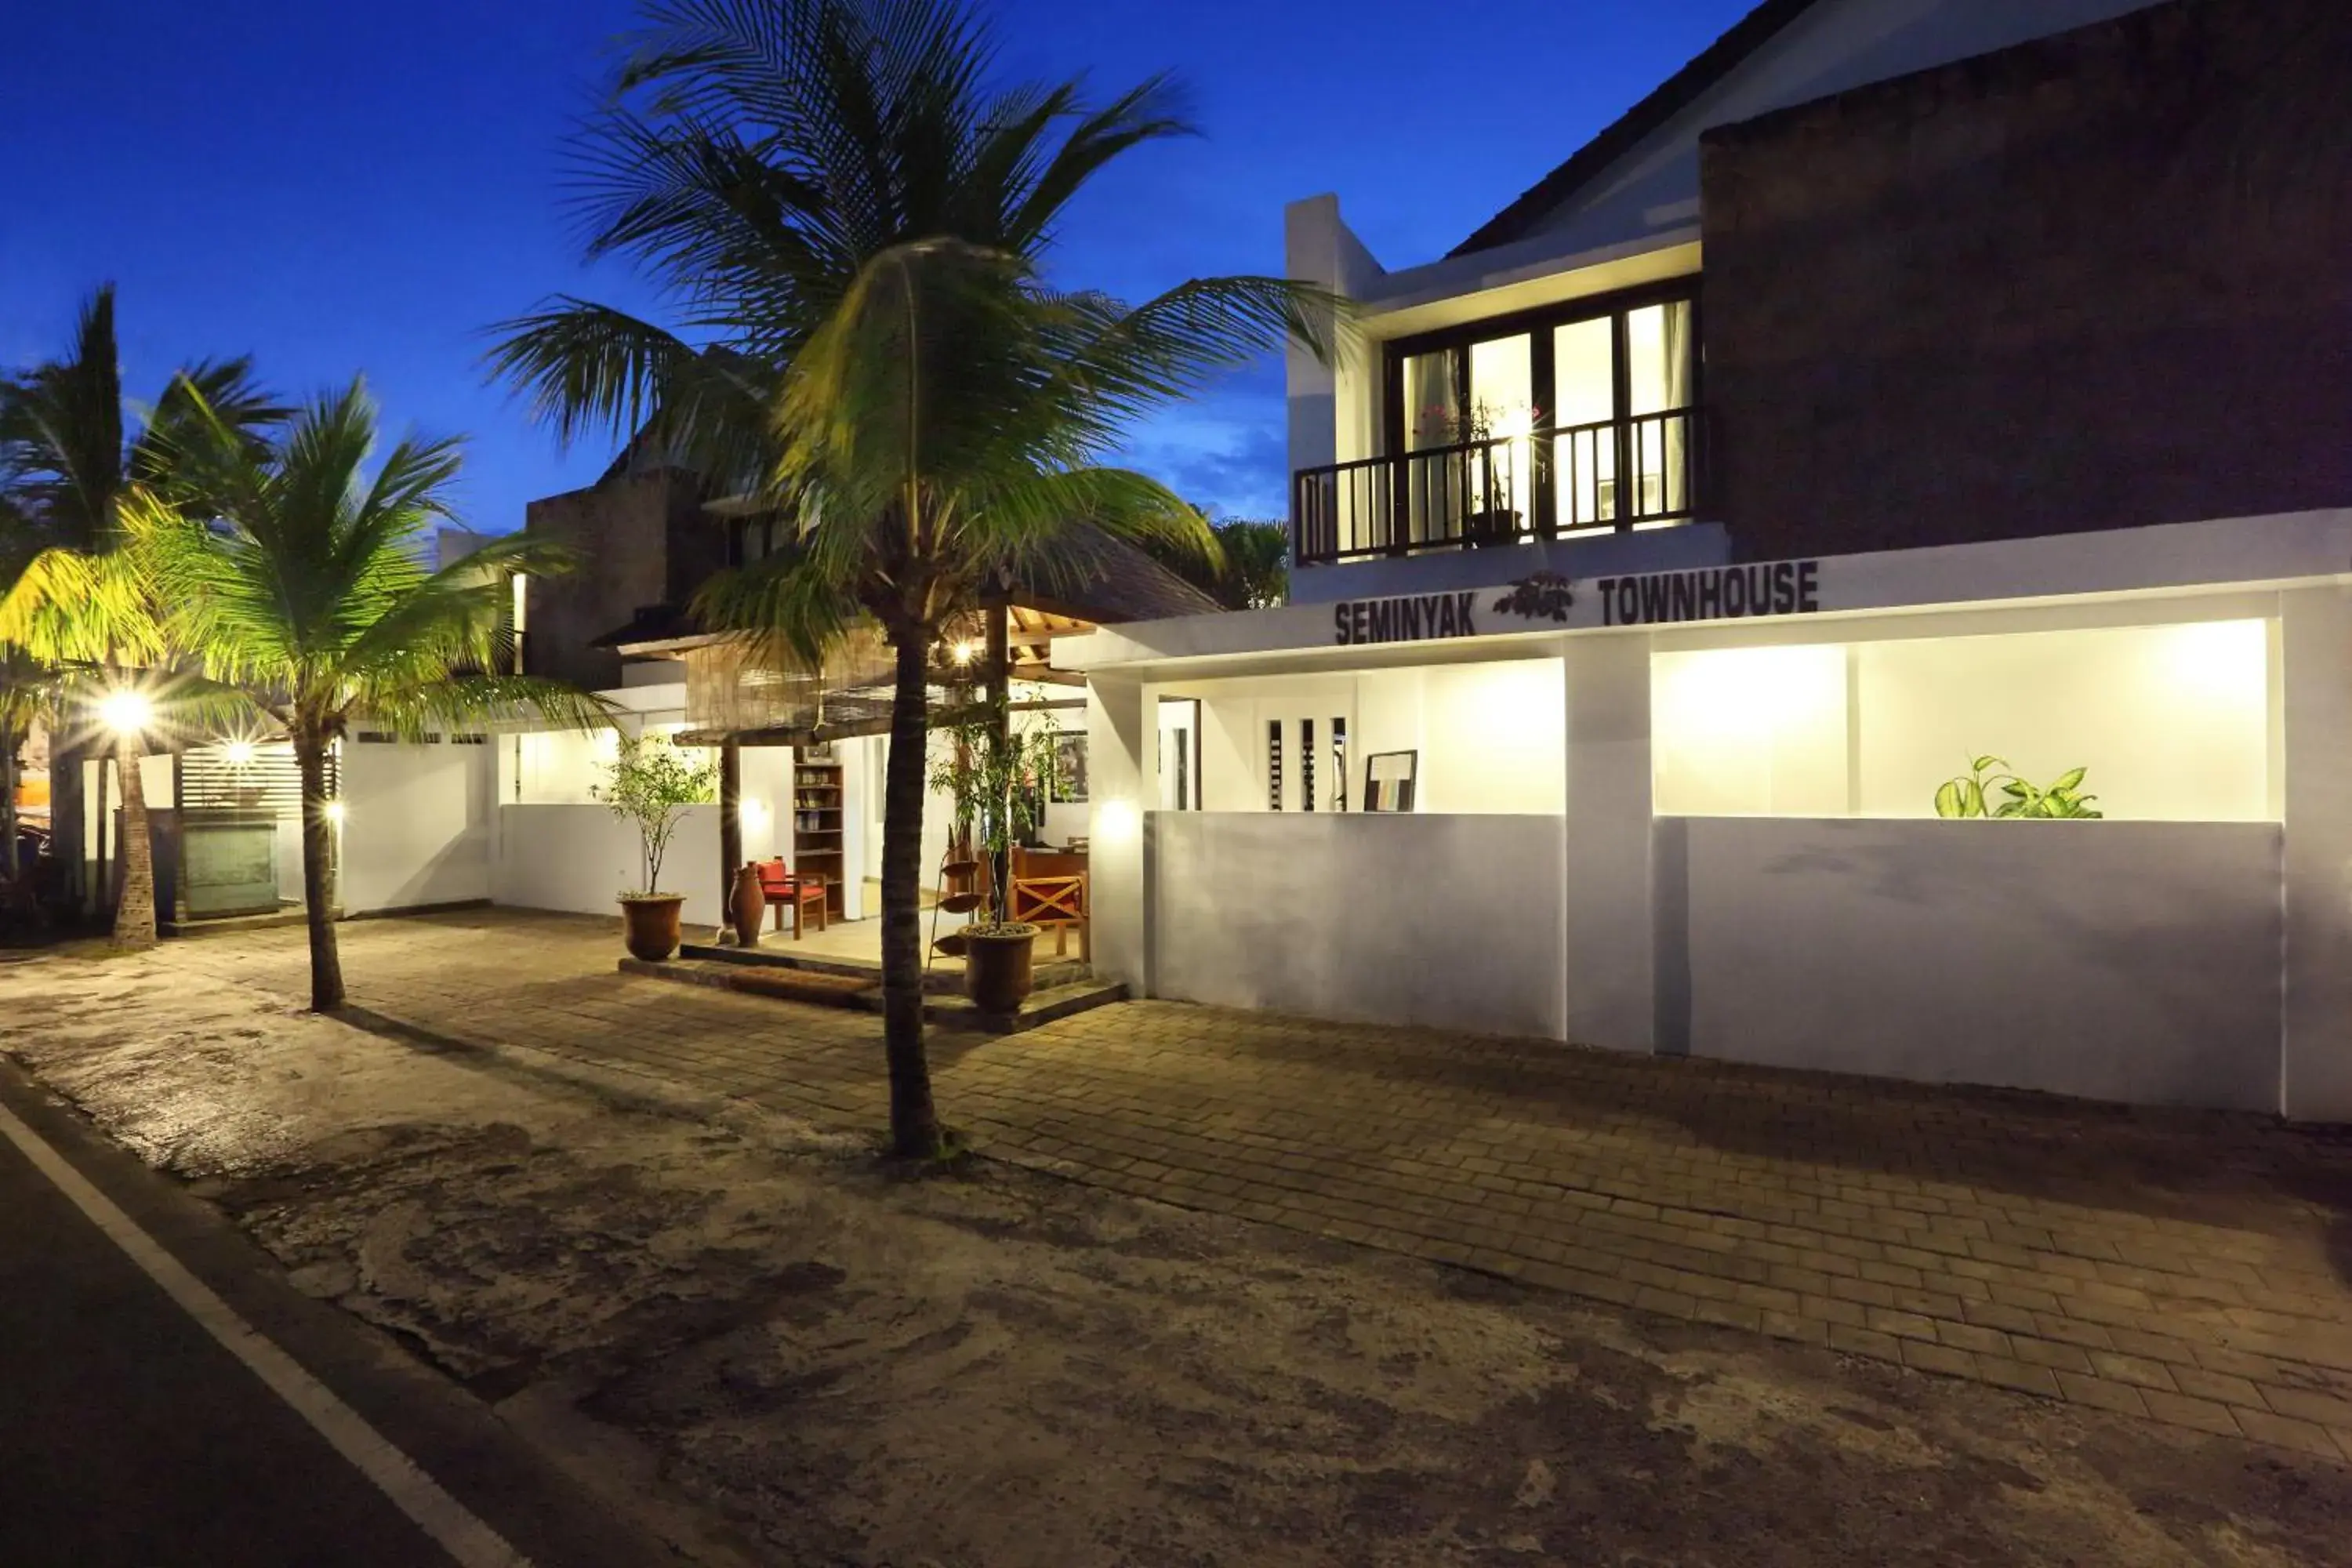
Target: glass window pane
1502, 389
1582, 381
1658, 357
1584, 452
1433, 405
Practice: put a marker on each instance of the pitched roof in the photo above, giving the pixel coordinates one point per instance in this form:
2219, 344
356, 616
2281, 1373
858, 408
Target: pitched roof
1673, 95
1087, 576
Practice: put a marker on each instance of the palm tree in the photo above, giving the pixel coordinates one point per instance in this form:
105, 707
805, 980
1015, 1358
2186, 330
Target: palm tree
1251, 570
301, 582
851, 220
69, 460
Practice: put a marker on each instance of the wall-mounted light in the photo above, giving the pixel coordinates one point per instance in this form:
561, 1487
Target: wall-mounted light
754, 813
238, 754
1118, 821
963, 652
335, 812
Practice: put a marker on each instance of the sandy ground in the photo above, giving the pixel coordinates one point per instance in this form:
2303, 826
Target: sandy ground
995, 1370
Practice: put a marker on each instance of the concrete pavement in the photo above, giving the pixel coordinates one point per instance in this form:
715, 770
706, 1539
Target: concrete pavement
132, 1433
2185, 1267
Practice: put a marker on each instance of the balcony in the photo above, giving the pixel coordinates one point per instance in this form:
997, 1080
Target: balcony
1549, 484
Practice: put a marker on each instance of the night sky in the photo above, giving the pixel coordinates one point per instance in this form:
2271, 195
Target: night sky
338, 187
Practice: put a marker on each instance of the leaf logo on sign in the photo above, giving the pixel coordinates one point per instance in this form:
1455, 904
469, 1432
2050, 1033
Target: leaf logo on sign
1545, 596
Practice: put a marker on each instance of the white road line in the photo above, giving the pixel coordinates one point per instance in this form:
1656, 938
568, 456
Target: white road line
449, 1522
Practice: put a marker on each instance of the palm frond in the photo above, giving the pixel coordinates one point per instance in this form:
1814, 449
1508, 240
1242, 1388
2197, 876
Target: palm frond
414, 711
61, 433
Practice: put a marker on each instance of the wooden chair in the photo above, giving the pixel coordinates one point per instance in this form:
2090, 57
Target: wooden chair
1050, 890
779, 886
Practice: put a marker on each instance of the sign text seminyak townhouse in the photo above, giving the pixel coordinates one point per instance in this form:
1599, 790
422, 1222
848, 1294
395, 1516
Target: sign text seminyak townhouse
1657, 598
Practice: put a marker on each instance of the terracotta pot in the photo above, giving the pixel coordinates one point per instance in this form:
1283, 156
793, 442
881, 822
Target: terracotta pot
651, 924
998, 975
747, 906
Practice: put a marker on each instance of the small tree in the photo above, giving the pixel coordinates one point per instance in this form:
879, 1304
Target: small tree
649, 783
998, 779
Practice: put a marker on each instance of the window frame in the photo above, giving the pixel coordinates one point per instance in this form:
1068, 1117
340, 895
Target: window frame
1538, 324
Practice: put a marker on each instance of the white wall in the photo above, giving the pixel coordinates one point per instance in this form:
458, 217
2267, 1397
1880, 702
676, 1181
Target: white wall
1446, 921
1496, 739
582, 858
2135, 961
416, 825
1489, 735
2173, 721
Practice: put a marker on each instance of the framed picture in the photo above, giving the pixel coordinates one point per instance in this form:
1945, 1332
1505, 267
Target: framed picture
1069, 770
1388, 780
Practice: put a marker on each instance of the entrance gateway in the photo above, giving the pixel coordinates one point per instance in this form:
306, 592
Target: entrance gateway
1711, 827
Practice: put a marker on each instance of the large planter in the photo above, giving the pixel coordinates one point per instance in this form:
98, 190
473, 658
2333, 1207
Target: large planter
748, 905
650, 923
998, 975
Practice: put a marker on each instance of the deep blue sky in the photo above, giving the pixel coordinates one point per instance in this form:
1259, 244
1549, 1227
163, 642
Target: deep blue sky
339, 188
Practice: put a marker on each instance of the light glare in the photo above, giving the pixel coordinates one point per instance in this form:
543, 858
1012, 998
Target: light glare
125, 712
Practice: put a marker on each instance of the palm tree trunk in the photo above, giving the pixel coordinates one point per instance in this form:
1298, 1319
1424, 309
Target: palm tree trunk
914, 1120
134, 917
11, 738
317, 876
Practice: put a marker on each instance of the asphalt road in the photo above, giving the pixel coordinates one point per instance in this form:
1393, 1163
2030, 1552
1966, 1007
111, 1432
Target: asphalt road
131, 1436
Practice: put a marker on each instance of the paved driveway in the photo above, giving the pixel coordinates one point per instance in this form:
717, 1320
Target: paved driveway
2190, 1269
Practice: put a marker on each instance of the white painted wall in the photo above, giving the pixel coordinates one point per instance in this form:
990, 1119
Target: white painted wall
1496, 739
416, 827
2315, 769
1489, 735
1447, 920
2135, 962
582, 857
2173, 721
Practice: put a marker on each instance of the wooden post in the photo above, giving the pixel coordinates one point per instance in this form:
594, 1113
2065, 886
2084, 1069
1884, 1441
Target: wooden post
996, 675
730, 826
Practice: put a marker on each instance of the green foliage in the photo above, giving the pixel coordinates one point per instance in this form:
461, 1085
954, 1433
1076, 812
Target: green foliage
301, 580
998, 779
69, 465
1248, 569
649, 783
1970, 794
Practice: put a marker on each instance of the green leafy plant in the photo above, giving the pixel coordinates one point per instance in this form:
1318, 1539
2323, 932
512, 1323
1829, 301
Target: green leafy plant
998, 779
649, 783
1970, 795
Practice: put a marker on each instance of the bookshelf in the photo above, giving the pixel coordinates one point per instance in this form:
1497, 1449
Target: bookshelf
817, 839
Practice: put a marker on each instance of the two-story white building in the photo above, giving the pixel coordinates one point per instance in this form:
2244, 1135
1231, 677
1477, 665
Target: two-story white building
1879, 395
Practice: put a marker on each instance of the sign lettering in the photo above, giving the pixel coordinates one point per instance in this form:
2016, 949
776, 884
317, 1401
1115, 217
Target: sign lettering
1417, 617
1717, 593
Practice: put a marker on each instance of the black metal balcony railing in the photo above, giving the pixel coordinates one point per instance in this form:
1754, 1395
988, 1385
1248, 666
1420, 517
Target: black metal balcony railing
1552, 483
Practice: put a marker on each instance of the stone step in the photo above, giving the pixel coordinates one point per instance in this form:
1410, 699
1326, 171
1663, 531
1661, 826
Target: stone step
862, 992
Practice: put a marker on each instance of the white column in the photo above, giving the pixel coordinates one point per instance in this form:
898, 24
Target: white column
2315, 673
1609, 961
1120, 734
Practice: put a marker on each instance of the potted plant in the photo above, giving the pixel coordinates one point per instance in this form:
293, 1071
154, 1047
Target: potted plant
997, 778
650, 783
1967, 796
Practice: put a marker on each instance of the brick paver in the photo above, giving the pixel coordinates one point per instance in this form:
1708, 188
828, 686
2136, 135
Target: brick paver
2187, 1267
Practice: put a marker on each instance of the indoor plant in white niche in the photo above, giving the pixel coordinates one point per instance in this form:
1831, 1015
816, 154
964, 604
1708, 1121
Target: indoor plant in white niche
649, 783
998, 779
1966, 795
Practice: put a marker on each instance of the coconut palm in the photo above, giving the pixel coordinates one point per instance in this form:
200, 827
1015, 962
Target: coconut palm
69, 460
301, 583
849, 218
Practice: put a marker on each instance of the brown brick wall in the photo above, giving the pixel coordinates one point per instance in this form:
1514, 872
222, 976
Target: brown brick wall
641, 540
2100, 280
